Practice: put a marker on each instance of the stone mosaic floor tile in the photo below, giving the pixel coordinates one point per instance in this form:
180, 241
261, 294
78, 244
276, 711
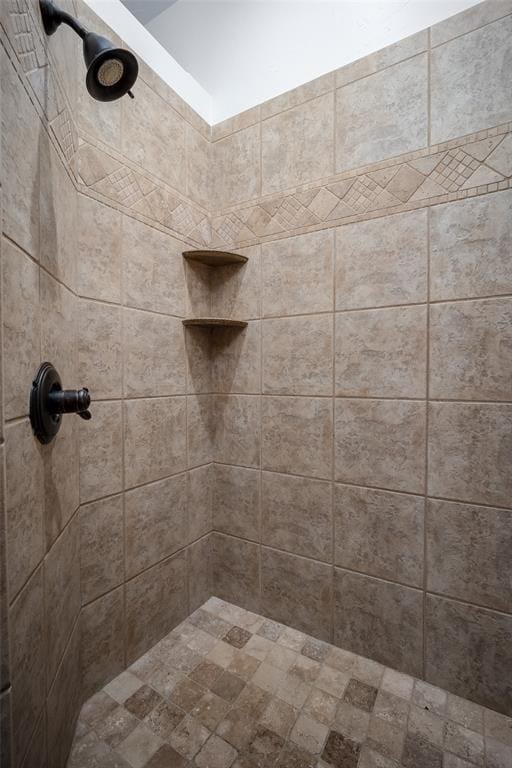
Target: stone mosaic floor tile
230, 689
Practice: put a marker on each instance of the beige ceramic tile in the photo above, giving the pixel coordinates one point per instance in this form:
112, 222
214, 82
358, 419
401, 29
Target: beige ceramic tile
199, 168
297, 275
61, 478
155, 439
236, 500
379, 533
382, 262
200, 429
199, 581
101, 452
236, 123
386, 57
99, 251
290, 143
156, 344
198, 351
237, 429
102, 641
235, 359
156, 522
64, 702
470, 452
99, 352
383, 115
297, 355
472, 18
381, 443
297, 592
381, 353
201, 483
296, 515
236, 164
469, 85
302, 93
235, 290
235, 571
58, 328
379, 620
470, 247
297, 435
101, 547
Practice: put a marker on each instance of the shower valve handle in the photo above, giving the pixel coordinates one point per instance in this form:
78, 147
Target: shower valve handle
48, 402
70, 401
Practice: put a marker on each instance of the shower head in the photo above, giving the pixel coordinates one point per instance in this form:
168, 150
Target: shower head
111, 71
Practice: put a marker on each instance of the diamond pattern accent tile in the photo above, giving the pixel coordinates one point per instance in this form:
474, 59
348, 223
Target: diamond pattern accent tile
453, 170
292, 214
125, 186
362, 193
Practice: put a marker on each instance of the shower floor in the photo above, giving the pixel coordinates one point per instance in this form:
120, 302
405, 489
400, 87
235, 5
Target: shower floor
230, 688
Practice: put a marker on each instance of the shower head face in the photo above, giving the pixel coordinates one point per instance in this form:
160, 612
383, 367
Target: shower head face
111, 72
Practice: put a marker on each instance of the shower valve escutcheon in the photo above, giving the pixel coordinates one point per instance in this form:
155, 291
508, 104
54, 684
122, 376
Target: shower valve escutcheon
48, 403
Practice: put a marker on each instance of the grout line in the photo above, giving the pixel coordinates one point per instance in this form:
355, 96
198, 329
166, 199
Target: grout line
427, 436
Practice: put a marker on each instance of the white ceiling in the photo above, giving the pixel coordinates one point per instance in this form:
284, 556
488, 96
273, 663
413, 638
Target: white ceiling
243, 52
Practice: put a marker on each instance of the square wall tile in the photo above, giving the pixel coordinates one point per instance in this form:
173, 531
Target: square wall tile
470, 452
101, 452
101, 547
236, 501
385, 57
469, 82
236, 359
383, 115
381, 443
306, 154
297, 435
156, 343
99, 251
199, 572
468, 350
236, 163
382, 261
200, 429
200, 501
154, 273
63, 705
156, 602
156, 522
379, 533
236, 290
236, 420
381, 353
455, 636
468, 553
297, 592
99, 349
297, 275
102, 641
236, 571
198, 351
155, 439
297, 355
379, 620
470, 247
199, 167
466, 21
296, 515
59, 328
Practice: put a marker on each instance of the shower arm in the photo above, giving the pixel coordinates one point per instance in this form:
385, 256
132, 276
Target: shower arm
53, 17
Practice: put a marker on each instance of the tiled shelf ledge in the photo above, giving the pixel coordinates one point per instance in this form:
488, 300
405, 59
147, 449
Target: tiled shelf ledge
213, 322
214, 258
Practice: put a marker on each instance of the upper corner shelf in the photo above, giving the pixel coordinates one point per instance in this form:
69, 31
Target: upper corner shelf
227, 322
215, 258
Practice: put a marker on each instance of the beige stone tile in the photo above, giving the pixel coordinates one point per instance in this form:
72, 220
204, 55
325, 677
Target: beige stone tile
198, 290
321, 706
61, 593
332, 681
297, 355
309, 734
235, 359
464, 743
99, 251
58, 328
394, 709
382, 261
153, 343
470, 243
351, 722
155, 438
386, 57
24, 504
198, 350
498, 726
297, 275
101, 124
63, 704
236, 123
101, 452
216, 752
237, 429
468, 350
28, 660
139, 746
292, 98
297, 592
156, 601
189, 737
386, 739
466, 21
455, 635
236, 164
102, 641
381, 353
99, 350
199, 167
379, 532
21, 327
279, 717
236, 499
236, 568
201, 429
123, 686
156, 522
429, 697
200, 490
236, 290
469, 87
467, 553
200, 572
470, 452
297, 435
381, 443
21, 129
398, 684
154, 276
296, 160
380, 620
296, 515
466, 713
383, 115
101, 547
427, 725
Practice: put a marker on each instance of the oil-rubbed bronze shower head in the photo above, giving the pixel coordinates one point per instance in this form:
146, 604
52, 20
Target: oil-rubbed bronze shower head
111, 72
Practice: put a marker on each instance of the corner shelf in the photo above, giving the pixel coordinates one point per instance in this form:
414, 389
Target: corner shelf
214, 322
214, 258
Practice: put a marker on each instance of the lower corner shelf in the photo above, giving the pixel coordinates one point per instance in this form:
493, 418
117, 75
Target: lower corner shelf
214, 322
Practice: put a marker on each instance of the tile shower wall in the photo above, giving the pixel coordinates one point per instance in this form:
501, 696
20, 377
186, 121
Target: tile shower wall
362, 487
